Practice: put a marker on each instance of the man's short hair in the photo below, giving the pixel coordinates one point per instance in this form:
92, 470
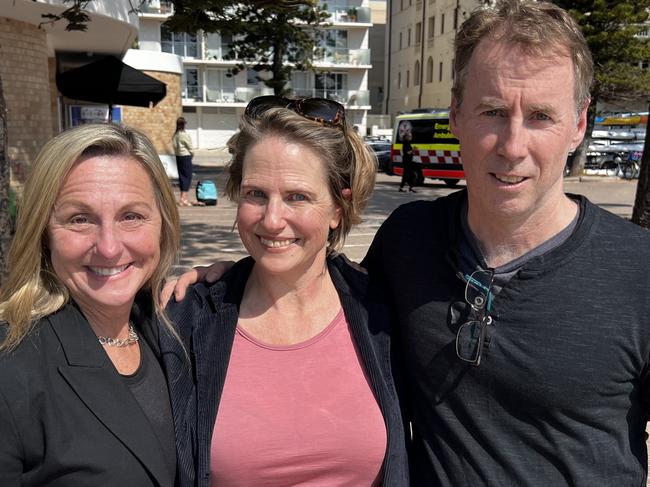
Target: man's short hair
539, 28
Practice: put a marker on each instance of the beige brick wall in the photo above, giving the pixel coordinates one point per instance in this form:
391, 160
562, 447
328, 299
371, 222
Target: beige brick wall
26, 83
159, 122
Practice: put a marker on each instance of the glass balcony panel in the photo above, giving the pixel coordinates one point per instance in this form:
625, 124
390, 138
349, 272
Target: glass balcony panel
336, 55
192, 93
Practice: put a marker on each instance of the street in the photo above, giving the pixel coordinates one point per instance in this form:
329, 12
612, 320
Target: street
208, 234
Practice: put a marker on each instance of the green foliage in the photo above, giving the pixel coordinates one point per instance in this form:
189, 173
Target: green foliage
75, 15
610, 28
276, 37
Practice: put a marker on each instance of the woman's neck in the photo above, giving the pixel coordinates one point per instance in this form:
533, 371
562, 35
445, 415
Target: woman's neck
282, 311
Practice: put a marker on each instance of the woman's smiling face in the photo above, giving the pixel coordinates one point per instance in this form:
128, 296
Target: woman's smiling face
104, 232
285, 208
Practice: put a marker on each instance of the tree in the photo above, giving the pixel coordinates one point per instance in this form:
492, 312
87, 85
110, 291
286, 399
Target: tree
275, 37
611, 28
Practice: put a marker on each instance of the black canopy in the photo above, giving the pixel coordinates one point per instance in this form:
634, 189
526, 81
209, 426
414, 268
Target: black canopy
109, 80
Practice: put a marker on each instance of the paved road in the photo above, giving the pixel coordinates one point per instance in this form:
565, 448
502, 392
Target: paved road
207, 232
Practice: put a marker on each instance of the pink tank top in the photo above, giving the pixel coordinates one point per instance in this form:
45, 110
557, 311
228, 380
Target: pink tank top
299, 415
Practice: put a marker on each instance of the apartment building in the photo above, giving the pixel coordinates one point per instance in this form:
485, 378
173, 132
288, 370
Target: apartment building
212, 101
421, 51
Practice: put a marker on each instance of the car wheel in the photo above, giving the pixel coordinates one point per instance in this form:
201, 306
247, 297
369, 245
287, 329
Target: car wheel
389, 168
610, 167
450, 182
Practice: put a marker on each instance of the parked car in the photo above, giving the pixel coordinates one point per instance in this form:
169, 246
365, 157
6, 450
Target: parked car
382, 152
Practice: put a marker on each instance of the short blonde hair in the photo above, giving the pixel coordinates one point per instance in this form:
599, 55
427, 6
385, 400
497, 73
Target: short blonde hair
349, 163
32, 289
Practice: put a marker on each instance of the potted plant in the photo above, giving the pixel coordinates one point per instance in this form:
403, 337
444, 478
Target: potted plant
352, 14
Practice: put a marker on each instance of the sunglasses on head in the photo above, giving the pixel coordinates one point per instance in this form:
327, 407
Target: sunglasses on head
320, 110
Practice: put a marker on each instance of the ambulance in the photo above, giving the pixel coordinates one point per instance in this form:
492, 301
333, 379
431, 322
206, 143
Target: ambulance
436, 151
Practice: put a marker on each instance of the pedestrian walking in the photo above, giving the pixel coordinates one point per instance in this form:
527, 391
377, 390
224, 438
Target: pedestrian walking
408, 175
184, 151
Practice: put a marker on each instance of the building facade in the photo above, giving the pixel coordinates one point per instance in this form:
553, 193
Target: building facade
212, 101
421, 52
33, 52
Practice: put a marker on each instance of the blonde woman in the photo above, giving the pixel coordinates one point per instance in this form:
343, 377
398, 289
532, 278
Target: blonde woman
83, 398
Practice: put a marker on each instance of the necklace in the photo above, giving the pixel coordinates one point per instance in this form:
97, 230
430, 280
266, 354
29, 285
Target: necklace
120, 342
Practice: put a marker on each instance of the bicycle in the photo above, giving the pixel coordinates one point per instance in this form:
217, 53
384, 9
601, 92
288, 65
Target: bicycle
630, 167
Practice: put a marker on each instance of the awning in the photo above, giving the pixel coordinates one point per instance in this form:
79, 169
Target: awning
109, 80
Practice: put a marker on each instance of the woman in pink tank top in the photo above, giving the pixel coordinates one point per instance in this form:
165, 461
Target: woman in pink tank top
290, 383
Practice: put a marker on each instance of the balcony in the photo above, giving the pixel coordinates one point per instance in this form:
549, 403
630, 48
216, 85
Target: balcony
337, 55
348, 14
348, 98
216, 94
163, 7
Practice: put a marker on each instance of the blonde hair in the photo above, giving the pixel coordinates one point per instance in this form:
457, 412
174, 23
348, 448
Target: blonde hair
349, 163
539, 28
32, 290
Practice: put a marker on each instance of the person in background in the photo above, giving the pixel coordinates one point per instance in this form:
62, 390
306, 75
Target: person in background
83, 398
291, 354
183, 149
408, 172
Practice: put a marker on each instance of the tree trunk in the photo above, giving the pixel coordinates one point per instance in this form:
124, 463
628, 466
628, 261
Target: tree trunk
278, 81
641, 212
579, 158
5, 222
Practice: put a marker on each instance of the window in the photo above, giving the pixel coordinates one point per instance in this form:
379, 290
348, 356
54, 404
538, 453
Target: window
431, 28
430, 70
217, 46
440, 72
416, 74
219, 86
399, 80
442, 24
179, 43
452, 70
401, 4
455, 18
408, 78
418, 32
332, 86
251, 77
400, 40
408, 38
191, 84
334, 43
301, 83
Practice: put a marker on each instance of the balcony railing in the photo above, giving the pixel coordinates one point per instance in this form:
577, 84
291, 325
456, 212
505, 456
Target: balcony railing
349, 14
217, 53
216, 94
157, 7
348, 98
344, 56
191, 93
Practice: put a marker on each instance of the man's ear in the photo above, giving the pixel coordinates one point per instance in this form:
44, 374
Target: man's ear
581, 127
453, 113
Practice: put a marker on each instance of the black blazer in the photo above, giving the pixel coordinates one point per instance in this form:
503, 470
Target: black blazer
207, 319
66, 417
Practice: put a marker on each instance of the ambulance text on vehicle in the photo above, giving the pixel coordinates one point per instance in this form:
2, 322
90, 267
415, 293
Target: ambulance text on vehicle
436, 150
